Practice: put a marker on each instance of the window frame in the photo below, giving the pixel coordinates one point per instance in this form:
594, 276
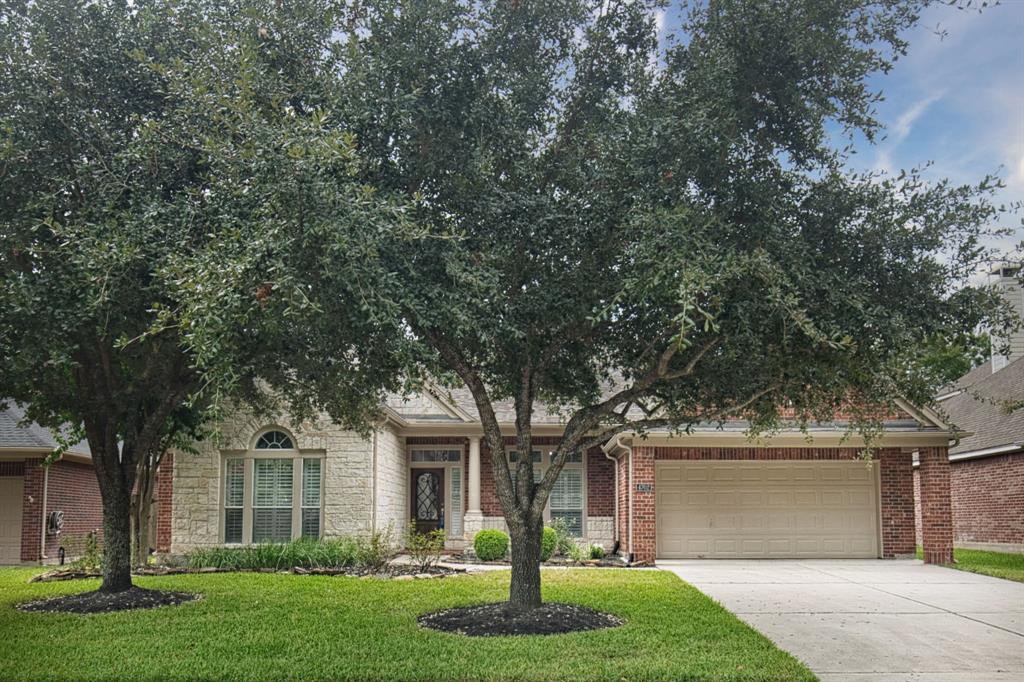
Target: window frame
248, 457
542, 466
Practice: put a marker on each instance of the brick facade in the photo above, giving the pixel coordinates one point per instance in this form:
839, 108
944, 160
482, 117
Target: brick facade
936, 511
73, 489
32, 510
896, 500
163, 496
70, 487
987, 498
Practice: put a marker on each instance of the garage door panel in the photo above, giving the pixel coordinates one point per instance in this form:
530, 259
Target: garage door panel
11, 500
772, 509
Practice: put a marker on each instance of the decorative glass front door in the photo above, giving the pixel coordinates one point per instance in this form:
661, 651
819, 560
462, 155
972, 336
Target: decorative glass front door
428, 499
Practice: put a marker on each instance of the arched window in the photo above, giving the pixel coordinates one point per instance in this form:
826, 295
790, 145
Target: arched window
273, 492
274, 440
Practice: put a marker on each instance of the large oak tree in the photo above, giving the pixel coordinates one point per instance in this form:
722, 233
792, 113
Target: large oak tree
136, 138
638, 231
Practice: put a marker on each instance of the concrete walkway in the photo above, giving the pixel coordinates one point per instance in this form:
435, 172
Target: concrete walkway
858, 620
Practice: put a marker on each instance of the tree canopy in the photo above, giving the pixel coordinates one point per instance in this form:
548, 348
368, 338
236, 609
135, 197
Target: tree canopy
136, 139
641, 232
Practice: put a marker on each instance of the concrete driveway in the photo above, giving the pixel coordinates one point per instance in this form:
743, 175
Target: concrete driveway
859, 620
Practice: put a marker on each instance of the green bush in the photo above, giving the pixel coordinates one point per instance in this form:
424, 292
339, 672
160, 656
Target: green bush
596, 552
372, 552
564, 541
490, 545
548, 542
424, 548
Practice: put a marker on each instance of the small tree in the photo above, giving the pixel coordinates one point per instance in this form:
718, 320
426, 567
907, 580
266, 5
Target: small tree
135, 140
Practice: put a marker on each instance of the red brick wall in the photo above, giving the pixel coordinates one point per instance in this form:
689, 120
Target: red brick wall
644, 544
987, 497
917, 507
896, 483
623, 493
896, 501
72, 488
600, 484
936, 510
32, 510
164, 494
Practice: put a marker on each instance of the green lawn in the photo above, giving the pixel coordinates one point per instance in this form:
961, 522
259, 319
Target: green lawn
998, 564
274, 626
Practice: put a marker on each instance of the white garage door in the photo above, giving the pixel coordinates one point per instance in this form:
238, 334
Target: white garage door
10, 519
747, 509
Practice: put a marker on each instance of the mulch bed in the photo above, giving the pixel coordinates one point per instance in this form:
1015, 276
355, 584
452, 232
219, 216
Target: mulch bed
107, 602
394, 571
497, 620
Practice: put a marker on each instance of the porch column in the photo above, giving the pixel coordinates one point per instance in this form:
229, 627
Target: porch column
936, 511
473, 520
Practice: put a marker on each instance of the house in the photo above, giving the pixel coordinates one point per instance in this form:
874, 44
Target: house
43, 509
987, 466
708, 493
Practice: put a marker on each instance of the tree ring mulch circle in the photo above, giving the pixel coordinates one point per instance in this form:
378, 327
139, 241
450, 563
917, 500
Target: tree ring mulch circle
108, 602
497, 620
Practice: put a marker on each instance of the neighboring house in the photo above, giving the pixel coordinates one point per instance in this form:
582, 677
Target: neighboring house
43, 508
710, 493
987, 466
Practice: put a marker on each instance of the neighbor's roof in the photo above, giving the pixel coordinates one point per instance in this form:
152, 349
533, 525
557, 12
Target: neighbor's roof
31, 436
980, 408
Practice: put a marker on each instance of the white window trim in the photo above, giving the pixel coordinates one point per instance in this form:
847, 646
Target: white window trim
447, 466
543, 465
248, 457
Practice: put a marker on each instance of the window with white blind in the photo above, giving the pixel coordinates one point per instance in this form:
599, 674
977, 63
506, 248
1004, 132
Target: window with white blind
272, 484
273, 493
311, 498
566, 501
455, 510
234, 499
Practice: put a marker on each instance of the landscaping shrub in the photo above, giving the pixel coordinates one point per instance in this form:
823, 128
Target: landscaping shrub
548, 542
424, 548
90, 554
373, 552
490, 545
596, 552
376, 550
576, 553
564, 540
305, 553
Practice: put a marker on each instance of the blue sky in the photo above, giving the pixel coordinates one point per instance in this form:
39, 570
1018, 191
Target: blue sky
956, 100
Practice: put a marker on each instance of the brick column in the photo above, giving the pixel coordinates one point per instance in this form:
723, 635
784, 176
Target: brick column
644, 543
896, 482
164, 497
936, 511
32, 510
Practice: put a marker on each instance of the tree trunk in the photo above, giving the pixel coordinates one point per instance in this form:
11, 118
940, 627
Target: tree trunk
117, 534
142, 509
524, 592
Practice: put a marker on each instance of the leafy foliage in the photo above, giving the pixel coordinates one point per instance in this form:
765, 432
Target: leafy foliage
490, 544
424, 548
548, 543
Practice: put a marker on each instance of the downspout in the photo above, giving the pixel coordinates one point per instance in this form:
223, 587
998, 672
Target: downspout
42, 525
629, 517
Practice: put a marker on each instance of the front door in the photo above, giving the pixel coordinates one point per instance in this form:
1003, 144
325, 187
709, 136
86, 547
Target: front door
428, 499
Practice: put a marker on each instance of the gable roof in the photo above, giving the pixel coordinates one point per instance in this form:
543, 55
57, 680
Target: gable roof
16, 436
980, 408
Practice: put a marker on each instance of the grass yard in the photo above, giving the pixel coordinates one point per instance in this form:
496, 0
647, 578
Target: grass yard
998, 564
253, 626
